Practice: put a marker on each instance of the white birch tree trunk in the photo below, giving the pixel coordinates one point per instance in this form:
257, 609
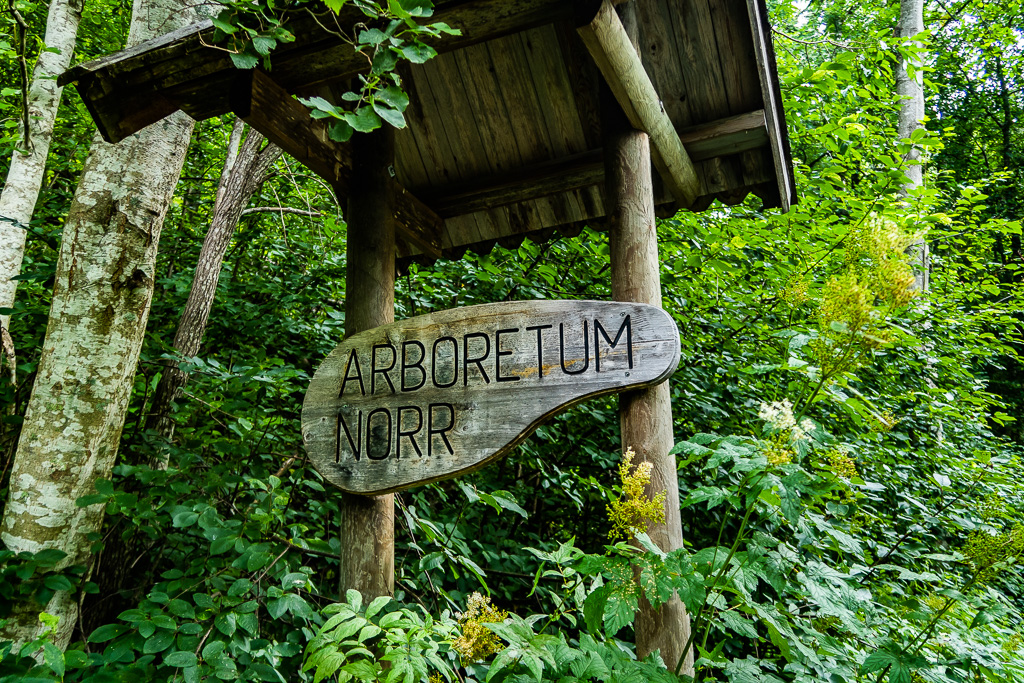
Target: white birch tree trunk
101, 299
911, 90
25, 175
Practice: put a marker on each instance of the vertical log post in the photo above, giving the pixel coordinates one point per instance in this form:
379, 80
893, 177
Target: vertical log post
367, 524
645, 415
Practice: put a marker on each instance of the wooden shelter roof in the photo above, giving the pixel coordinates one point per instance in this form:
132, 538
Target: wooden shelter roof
504, 138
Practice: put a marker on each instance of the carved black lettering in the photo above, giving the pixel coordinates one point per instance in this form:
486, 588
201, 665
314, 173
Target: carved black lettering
418, 365
440, 431
354, 444
478, 362
374, 370
455, 362
627, 326
540, 347
586, 350
498, 353
378, 434
409, 433
359, 374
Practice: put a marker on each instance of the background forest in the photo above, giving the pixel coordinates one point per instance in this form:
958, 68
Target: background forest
849, 455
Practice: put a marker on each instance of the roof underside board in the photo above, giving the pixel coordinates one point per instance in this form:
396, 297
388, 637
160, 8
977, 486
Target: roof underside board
504, 134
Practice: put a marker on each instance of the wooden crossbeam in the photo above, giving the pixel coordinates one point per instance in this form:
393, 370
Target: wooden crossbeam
267, 107
725, 136
523, 184
619, 63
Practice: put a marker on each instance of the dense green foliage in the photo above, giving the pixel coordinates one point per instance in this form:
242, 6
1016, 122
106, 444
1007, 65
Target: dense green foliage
849, 464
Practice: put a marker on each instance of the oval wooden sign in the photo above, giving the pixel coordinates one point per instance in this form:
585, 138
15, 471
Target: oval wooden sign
442, 394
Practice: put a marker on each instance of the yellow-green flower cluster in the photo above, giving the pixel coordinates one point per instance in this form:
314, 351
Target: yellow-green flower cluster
477, 642
841, 464
987, 551
992, 506
634, 511
884, 422
795, 292
778, 451
851, 315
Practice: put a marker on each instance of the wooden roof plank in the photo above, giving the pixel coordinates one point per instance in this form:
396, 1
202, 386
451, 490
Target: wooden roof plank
621, 66
659, 49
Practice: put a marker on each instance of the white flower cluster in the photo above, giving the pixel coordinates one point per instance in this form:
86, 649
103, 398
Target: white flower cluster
779, 414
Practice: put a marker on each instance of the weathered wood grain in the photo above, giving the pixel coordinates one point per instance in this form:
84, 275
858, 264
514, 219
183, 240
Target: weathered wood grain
645, 414
367, 525
622, 68
445, 393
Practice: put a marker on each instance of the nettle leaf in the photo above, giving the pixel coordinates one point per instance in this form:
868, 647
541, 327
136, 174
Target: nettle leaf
740, 625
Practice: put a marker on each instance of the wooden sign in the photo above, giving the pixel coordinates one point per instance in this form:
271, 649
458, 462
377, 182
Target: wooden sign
439, 395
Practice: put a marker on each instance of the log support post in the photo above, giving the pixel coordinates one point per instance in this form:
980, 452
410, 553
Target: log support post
645, 415
367, 525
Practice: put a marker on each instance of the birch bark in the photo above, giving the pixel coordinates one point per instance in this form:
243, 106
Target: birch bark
911, 90
28, 163
244, 171
101, 299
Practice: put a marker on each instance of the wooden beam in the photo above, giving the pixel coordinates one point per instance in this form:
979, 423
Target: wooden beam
523, 184
718, 138
730, 135
259, 101
617, 59
367, 525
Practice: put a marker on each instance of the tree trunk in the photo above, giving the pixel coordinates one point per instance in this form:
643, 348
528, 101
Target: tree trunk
367, 527
645, 415
101, 299
244, 171
911, 90
25, 175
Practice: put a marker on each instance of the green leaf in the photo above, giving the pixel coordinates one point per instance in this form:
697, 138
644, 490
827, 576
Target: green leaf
107, 632
180, 659
160, 641
593, 607
263, 44
376, 606
417, 53
245, 60
340, 131
363, 120
54, 658
392, 116
56, 582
